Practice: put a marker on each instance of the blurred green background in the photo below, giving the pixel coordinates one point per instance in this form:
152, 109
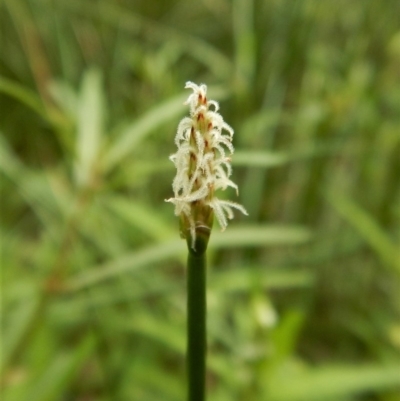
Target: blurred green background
303, 295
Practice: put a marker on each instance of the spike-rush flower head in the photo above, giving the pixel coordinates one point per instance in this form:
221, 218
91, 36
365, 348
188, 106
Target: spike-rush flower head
203, 140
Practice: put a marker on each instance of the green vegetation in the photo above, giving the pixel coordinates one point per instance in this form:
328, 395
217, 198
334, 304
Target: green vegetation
303, 294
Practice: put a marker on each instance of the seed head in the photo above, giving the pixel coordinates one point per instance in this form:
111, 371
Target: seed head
204, 142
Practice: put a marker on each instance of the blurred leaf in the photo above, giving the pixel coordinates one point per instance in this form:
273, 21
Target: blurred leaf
260, 124
329, 383
248, 277
254, 158
157, 381
258, 235
239, 236
17, 324
33, 186
237, 280
285, 334
9, 164
245, 41
129, 21
368, 229
66, 98
24, 95
135, 260
32, 100
59, 375
140, 216
90, 126
159, 330
168, 335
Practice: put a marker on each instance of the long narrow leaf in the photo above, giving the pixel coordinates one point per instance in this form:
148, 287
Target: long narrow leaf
59, 375
140, 216
367, 227
331, 383
90, 126
246, 236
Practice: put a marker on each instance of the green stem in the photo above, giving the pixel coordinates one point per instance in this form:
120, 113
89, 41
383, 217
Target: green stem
196, 321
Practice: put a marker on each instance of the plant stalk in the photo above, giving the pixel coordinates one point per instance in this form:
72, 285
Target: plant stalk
196, 320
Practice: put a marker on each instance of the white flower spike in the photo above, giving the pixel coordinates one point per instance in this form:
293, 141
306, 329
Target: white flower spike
202, 166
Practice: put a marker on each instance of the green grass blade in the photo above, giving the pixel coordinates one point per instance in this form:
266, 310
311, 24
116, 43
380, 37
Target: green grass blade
243, 21
330, 383
31, 100
90, 126
159, 330
135, 260
234, 237
23, 94
265, 159
16, 328
66, 98
368, 229
257, 235
152, 381
140, 216
243, 279
61, 372
129, 21
33, 186
252, 158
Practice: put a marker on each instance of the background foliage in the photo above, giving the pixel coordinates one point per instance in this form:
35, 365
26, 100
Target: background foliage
304, 295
